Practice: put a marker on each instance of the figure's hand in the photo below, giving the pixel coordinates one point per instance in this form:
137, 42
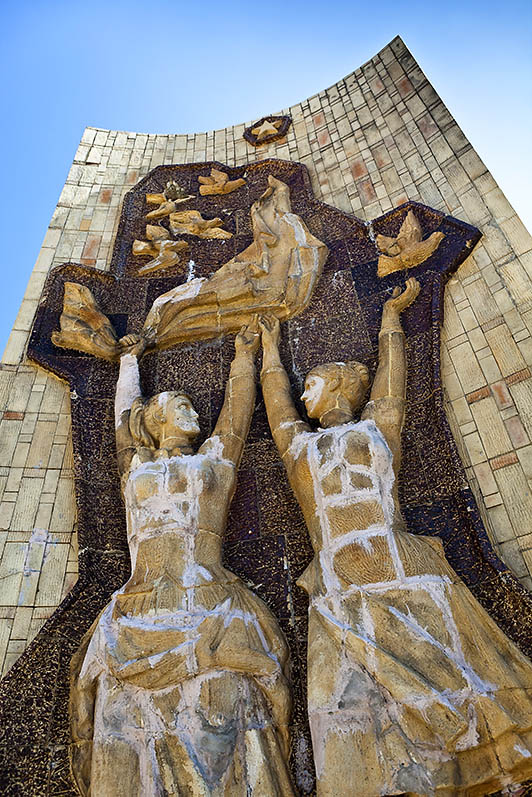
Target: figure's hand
271, 331
132, 344
247, 340
402, 299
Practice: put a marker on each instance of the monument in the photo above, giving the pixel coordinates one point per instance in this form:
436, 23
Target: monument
185, 657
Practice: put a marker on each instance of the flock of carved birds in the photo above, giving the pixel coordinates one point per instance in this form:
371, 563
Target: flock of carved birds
405, 251
160, 246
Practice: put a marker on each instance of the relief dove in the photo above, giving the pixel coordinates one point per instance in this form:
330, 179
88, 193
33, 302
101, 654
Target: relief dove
408, 249
160, 246
193, 223
218, 183
172, 196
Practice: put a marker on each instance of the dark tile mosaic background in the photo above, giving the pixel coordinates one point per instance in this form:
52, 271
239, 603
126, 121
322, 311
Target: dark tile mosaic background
266, 541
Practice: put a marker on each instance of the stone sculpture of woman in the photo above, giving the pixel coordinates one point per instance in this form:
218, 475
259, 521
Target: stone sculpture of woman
412, 688
180, 686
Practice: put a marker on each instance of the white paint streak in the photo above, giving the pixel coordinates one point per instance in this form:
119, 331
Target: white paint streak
128, 385
313, 389
327, 452
470, 738
299, 231
191, 270
187, 290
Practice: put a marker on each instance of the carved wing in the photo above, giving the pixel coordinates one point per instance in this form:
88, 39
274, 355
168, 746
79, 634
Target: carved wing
410, 232
154, 232
155, 199
219, 177
83, 326
387, 245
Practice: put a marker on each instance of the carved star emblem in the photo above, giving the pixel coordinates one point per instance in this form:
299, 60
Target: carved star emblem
266, 129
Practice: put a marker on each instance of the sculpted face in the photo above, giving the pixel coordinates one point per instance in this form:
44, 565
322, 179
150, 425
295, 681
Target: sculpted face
332, 387
171, 415
315, 396
180, 414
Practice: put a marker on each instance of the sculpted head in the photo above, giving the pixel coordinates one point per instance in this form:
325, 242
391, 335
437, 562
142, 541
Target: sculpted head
335, 386
165, 417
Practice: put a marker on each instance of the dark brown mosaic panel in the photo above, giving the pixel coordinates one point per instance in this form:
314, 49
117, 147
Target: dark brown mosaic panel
266, 541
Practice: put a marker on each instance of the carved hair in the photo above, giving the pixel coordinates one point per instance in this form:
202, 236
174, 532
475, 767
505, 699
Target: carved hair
145, 410
352, 379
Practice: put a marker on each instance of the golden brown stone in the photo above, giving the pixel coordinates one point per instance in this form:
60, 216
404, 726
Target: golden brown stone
266, 129
276, 274
218, 183
408, 249
411, 685
193, 223
168, 201
83, 326
180, 686
160, 246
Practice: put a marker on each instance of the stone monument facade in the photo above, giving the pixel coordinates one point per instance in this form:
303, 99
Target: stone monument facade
312, 217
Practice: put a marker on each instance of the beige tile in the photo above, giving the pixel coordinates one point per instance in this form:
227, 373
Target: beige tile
474, 448
26, 504
5, 630
500, 523
505, 350
52, 576
513, 558
485, 479
517, 497
64, 513
41, 444
11, 568
21, 622
517, 234
525, 458
491, 428
467, 367
522, 396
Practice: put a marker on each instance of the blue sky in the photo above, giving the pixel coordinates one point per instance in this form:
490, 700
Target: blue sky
178, 67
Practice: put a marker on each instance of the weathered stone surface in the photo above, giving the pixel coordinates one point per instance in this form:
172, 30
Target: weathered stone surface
83, 326
191, 222
266, 543
161, 247
410, 683
408, 249
181, 684
218, 182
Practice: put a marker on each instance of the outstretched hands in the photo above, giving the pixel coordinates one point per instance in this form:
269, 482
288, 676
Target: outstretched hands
271, 331
402, 299
247, 340
132, 344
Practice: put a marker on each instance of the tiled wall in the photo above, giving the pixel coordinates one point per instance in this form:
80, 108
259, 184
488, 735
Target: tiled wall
380, 136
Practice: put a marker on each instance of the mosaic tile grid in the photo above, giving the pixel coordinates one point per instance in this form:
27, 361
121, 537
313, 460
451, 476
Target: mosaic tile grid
267, 543
380, 136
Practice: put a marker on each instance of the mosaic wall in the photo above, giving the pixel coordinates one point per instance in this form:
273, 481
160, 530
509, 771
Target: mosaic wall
378, 138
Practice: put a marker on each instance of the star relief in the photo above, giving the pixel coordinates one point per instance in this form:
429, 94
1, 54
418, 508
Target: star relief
266, 129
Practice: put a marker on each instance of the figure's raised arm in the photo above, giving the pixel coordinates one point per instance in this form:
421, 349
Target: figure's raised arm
127, 390
388, 393
233, 422
283, 417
